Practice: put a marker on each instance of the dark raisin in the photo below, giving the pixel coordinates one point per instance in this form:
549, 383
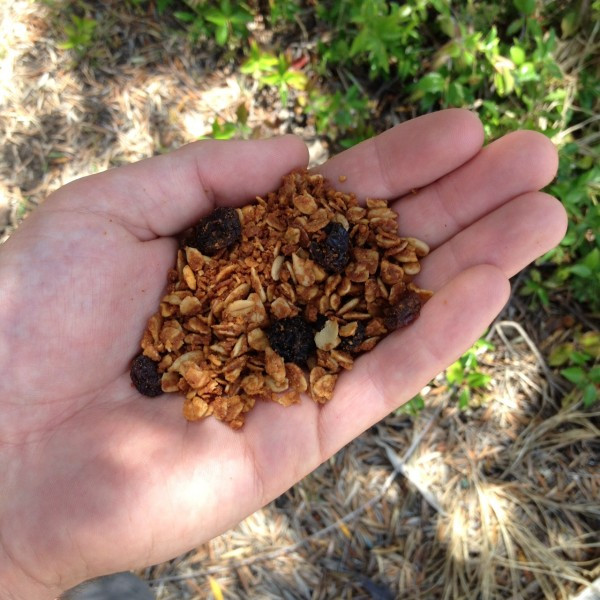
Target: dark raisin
292, 338
333, 253
403, 313
221, 229
352, 342
145, 376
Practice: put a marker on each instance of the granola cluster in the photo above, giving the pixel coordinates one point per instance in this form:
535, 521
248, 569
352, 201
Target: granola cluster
277, 298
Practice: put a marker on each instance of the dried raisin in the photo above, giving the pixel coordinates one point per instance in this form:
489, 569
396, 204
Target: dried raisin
292, 338
352, 342
145, 376
221, 229
333, 253
403, 313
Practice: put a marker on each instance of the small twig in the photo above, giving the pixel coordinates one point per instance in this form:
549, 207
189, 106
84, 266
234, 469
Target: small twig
399, 464
302, 27
576, 127
355, 81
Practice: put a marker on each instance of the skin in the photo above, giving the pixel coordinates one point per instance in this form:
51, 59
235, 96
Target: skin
97, 478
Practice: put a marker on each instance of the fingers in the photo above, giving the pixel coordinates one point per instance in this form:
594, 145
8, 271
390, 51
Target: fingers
520, 162
509, 238
410, 155
162, 196
406, 360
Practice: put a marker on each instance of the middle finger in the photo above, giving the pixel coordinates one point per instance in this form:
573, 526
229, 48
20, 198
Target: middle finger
520, 162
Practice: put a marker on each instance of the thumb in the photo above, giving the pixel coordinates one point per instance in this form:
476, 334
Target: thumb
163, 195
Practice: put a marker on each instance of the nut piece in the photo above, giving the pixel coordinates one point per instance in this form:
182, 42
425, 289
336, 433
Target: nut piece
327, 338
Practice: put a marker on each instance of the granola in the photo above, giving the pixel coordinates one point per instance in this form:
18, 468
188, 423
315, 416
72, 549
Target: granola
277, 298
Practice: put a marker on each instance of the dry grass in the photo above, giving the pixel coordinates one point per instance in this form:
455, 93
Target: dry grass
497, 502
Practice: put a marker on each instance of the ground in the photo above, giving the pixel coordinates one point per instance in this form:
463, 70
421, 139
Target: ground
496, 501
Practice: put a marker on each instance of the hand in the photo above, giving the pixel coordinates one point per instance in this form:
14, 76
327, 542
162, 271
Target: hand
95, 477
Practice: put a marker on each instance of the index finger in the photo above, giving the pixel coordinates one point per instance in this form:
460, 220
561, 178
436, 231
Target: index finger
408, 156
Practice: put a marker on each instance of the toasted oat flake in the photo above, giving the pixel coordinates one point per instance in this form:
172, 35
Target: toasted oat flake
337, 271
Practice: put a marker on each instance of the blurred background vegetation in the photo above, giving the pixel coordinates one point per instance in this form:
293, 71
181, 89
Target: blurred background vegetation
87, 85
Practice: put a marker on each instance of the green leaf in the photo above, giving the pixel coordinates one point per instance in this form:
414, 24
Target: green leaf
360, 43
241, 17
515, 26
241, 113
569, 24
590, 342
517, 55
575, 375
446, 24
162, 5
456, 94
271, 79
560, 355
221, 34
579, 358
592, 260
464, 398
223, 132
527, 7
594, 374
431, 83
296, 79
215, 16
455, 373
503, 82
478, 379
590, 395
580, 270
527, 72
186, 17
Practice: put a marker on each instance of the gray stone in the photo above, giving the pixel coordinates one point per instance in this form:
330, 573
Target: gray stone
120, 586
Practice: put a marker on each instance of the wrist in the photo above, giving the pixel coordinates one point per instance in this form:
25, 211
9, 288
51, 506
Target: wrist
20, 579
16, 584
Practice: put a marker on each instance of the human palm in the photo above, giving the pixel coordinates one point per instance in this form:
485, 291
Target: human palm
98, 478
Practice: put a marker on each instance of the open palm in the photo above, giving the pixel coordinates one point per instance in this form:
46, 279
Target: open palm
97, 478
